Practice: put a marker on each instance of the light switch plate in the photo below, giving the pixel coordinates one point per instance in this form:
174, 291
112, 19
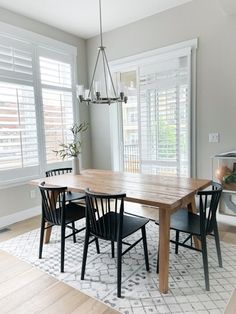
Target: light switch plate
214, 137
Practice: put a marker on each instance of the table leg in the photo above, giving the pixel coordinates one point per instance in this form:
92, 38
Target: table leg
164, 242
192, 208
47, 234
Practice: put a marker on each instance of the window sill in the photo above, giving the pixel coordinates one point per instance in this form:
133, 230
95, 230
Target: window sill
16, 182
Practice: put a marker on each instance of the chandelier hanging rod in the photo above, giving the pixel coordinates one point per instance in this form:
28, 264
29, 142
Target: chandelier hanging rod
94, 96
100, 20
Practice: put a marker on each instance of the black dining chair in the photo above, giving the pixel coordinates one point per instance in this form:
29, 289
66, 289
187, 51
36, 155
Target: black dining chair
200, 225
58, 171
70, 196
105, 219
55, 211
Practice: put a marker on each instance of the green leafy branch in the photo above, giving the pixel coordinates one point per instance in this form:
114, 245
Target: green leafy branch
73, 149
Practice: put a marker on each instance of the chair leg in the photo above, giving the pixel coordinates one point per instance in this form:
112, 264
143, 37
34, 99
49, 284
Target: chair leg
112, 249
217, 240
41, 237
145, 247
205, 262
62, 246
86, 244
177, 242
74, 234
97, 245
157, 270
119, 267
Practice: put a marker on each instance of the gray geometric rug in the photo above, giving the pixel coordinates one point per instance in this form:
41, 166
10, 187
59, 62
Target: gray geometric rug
139, 288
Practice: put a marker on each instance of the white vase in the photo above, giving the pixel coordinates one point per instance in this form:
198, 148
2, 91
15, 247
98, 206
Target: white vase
75, 166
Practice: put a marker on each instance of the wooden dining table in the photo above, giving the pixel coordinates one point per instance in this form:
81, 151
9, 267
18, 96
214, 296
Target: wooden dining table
167, 194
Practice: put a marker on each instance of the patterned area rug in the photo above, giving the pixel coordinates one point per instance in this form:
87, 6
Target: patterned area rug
139, 289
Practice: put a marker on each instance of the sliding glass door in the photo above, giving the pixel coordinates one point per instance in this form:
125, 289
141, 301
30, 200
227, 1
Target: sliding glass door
155, 123
130, 124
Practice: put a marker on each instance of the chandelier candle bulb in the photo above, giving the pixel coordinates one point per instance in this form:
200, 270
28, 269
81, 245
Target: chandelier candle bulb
97, 86
86, 94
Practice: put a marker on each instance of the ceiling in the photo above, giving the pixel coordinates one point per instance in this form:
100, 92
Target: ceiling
80, 17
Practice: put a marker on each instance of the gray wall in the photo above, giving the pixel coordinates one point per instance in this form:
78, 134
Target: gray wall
216, 77
216, 73
18, 198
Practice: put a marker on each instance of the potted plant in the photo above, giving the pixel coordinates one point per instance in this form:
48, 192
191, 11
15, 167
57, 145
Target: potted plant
73, 149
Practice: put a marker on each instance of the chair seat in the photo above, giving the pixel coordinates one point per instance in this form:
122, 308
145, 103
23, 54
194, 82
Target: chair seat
73, 212
131, 224
185, 221
73, 196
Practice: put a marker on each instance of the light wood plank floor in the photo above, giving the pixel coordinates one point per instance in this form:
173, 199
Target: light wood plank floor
231, 307
24, 289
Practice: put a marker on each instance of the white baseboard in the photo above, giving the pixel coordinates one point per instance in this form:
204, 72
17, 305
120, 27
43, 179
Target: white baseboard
19, 216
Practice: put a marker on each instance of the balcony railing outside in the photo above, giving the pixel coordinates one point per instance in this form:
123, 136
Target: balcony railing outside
131, 158
162, 167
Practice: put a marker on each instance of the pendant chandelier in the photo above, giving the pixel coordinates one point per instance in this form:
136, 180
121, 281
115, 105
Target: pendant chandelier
95, 95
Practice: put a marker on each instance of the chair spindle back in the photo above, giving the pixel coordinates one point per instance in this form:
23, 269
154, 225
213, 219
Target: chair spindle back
104, 214
208, 213
59, 171
53, 203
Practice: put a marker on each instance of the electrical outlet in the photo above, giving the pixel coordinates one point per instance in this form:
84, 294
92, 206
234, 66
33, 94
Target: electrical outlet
32, 193
214, 137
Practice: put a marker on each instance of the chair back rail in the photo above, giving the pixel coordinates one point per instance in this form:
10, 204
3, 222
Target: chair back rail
104, 214
53, 203
59, 171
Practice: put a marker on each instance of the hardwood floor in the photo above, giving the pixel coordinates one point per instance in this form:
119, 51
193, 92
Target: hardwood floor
24, 289
231, 307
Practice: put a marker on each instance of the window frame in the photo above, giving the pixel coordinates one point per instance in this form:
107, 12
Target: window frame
132, 63
41, 46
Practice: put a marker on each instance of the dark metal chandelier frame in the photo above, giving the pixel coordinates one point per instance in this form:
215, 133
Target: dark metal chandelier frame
96, 98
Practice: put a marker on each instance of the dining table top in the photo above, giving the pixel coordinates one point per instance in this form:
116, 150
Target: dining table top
155, 190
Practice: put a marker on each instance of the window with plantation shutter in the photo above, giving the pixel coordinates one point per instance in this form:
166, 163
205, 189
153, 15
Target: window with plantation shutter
37, 90
18, 127
160, 136
18, 132
57, 98
164, 117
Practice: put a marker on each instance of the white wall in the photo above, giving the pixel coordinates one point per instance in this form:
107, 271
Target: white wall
18, 198
216, 73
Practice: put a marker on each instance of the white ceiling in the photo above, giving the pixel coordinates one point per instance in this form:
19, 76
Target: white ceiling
80, 17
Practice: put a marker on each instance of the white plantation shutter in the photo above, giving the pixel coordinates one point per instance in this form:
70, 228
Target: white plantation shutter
57, 98
165, 116
165, 105
18, 132
58, 119
55, 73
15, 59
36, 103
